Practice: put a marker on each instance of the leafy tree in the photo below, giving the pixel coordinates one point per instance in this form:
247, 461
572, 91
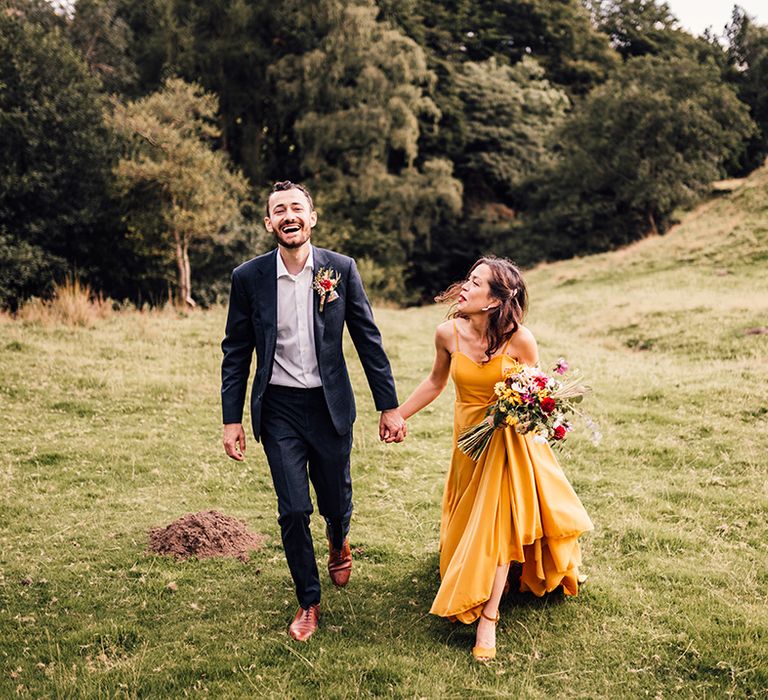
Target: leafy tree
559, 34
648, 141
38, 12
648, 27
25, 270
510, 114
227, 46
495, 115
251, 53
639, 27
103, 37
359, 97
152, 42
169, 135
748, 59
55, 153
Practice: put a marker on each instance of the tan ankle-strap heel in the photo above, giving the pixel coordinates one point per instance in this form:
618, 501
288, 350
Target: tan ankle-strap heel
483, 654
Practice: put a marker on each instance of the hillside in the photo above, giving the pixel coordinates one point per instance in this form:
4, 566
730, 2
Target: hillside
697, 289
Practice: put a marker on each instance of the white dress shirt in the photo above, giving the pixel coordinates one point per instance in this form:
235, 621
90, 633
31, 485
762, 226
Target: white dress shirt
295, 358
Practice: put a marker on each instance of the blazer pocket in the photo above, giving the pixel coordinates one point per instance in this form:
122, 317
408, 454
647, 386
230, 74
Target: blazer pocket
334, 313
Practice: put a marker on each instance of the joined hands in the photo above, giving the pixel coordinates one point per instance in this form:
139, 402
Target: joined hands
392, 426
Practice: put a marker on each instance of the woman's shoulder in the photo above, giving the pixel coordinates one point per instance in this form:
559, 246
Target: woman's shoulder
445, 335
523, 334
445, 329
523, 345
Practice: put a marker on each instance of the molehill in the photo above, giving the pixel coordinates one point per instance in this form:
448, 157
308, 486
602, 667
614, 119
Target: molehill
205, 534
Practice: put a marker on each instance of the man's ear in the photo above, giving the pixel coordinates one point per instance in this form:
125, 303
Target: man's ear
268, 224
313, 218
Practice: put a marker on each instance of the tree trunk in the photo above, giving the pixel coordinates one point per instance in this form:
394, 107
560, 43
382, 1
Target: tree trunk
184, 270
652, 228
188, 300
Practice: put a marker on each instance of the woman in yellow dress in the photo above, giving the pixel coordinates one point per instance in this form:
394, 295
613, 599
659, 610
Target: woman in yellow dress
514, 504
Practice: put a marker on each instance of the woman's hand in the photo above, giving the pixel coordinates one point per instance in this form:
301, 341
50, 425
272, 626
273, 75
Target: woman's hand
392, 427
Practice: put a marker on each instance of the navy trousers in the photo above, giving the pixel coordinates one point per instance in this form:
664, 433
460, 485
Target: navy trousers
302, 445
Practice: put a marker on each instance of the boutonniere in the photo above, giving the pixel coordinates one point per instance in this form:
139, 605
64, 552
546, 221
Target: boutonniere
325, 284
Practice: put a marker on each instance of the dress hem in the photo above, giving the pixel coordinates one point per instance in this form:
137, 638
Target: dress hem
453, 617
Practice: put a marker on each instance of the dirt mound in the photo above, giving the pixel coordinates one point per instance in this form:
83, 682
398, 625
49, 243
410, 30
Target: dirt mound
205, 534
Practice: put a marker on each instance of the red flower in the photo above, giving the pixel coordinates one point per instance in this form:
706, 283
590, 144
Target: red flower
541, 380
327, 285
559, 432
548, 404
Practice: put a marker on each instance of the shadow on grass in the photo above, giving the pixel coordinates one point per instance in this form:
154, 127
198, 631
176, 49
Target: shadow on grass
416, 588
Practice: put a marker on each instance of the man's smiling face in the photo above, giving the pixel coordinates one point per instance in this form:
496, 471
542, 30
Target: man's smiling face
291, 218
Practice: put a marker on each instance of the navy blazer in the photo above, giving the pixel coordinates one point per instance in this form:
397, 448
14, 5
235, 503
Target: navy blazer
252, 325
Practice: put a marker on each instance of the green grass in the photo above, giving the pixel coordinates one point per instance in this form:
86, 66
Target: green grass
112, 430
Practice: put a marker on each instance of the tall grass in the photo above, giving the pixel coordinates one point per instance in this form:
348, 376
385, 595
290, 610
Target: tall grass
73, 303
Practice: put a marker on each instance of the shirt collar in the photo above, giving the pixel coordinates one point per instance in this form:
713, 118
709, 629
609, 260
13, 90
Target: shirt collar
282, 271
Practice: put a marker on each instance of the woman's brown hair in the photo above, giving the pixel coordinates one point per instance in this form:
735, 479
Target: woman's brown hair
508, 288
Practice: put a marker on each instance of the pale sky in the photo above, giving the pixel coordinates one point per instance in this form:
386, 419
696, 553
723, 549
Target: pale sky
696, 15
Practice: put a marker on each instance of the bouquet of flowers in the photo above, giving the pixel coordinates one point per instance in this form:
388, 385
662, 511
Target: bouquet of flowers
530, 402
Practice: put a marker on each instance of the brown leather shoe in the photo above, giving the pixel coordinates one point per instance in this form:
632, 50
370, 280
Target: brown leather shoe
339, 564
305, 623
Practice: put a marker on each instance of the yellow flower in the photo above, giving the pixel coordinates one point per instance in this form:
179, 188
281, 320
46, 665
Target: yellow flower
499, 388
514, 368
511, 420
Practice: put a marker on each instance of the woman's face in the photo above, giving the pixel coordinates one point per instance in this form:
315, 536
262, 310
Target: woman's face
476, 291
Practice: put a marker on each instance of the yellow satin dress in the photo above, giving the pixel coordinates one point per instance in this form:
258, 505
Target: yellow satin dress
514, 504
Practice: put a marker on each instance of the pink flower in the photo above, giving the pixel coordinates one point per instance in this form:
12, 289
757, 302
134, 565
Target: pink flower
541, 380
561, 366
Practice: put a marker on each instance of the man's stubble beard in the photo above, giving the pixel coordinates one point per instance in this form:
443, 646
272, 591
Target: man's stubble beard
293, 245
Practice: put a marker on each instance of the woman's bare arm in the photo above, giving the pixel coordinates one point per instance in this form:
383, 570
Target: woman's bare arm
431, 387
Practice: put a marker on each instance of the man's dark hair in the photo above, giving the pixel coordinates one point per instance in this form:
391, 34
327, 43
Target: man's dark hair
284, 185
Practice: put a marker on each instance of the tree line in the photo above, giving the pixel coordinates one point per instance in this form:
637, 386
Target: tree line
138, 138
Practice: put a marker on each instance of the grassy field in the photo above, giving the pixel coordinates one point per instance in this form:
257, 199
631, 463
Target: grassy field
111, 430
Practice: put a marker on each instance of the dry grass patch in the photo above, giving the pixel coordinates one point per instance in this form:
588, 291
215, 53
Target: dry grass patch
73, 303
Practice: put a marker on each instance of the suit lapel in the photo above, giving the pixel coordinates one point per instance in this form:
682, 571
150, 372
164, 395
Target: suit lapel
267, 287
319, 261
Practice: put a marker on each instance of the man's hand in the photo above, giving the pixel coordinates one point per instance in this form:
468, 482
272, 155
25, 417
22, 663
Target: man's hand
234, 441
392, 426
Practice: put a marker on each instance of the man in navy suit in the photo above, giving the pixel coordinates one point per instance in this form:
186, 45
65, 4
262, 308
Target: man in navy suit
290, 306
